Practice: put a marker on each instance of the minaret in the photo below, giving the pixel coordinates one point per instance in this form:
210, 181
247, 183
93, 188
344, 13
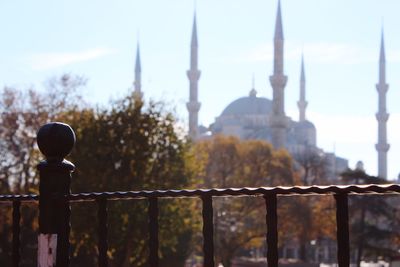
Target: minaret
278, 81
302, 103
382, 116
138, 74
193, 75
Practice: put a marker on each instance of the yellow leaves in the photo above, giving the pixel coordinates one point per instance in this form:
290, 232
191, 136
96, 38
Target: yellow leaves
256, 242
124, 218
226, 161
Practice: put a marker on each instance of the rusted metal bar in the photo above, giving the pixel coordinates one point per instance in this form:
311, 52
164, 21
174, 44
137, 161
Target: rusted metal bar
248, 191
208, 231
22, 198
153, 232
16, 215
272, 230
342, 225
102, 232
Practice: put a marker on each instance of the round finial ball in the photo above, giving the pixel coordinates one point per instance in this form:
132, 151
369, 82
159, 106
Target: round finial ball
55, 140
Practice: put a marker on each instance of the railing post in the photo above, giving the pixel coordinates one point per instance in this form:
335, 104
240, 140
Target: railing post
153, 232
208, 231
55, 141
102, 231
16, 215
342, 225
272, 230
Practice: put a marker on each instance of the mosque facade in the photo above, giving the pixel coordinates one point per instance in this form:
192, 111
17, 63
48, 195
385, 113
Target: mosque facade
254, 117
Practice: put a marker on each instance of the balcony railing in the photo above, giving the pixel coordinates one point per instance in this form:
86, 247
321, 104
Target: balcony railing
270, 195
55, 198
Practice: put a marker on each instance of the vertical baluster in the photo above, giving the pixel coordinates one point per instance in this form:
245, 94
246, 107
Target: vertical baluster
208, 231
153, 231
342, 225
16, 215
272, 230
102, 231
55, 140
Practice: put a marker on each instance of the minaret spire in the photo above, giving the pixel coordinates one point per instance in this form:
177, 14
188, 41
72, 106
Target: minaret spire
278, 23
278, 81
302, 103
138, 74
253, 91
382, 147
193, 75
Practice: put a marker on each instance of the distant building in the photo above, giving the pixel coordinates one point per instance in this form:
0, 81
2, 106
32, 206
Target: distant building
253, 117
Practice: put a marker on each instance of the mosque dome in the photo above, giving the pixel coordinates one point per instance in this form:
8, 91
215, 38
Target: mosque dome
249, 105
305, 125
305, 133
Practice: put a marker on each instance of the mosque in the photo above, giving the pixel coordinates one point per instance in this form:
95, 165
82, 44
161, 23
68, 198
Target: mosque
254, 117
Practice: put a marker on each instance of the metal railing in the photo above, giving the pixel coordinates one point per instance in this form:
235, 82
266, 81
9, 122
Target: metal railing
55, 198
270, 195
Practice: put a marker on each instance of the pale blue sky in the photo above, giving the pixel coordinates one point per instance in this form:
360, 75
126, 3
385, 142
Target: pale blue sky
340, 39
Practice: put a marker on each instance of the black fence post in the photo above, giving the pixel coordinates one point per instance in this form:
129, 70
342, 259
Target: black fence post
342, 232
272, 230
208, 231
102, 231
55, 141
16, 215
153, 232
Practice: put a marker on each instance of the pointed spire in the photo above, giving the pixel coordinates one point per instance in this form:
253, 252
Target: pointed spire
194, 31
278, 23
302, 75
382, 60
382, 57
138, 73
138, 67
302, 103
278, 43
253, 91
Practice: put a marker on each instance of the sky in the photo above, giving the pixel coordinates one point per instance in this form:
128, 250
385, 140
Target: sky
340, 40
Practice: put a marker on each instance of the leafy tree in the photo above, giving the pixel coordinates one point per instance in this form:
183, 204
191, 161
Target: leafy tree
22, 113
372, 220
126, 147
312, 169
228, 162
130, 147
313, 166
306, 218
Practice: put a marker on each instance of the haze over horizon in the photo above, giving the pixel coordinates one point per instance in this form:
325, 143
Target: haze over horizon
340, 41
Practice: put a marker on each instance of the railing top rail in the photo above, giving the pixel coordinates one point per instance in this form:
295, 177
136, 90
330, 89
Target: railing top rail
220, 192
22, 198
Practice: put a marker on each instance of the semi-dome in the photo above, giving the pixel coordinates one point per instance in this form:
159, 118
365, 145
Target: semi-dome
305, 125
249, 105
305, 133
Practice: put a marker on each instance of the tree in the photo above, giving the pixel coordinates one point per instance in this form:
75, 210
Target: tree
126, 147
312, 170
313, 166
22, 112
373, 220
130, 147
228, 162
